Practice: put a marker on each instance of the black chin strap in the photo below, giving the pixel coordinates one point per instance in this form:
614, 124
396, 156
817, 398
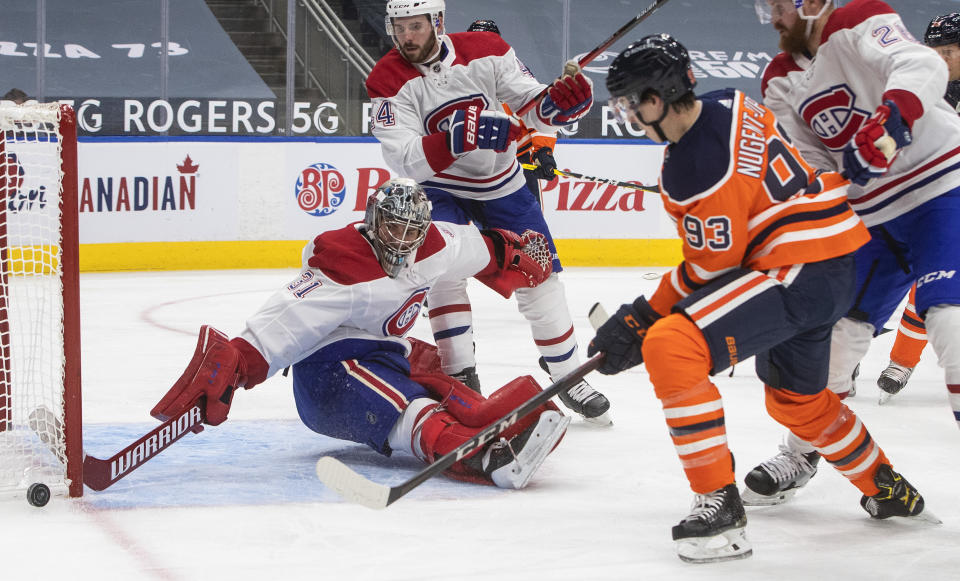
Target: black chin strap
656, 124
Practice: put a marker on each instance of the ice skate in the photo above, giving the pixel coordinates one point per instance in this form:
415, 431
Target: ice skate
897, 497
583, 399
715, 529
511, 463
468, 377
778, 479
892, 380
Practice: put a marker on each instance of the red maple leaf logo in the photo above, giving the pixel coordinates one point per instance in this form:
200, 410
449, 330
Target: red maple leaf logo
188, 166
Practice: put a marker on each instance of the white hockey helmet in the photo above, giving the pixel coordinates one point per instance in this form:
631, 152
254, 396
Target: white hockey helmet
401, 8
396, 220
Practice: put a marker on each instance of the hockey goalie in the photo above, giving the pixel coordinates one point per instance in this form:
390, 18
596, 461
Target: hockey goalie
341, 327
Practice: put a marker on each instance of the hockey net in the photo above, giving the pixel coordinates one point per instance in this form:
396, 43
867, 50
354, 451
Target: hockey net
40, 427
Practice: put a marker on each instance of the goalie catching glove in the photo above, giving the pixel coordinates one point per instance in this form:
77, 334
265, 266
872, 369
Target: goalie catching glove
621, 337
517, 261
218, 367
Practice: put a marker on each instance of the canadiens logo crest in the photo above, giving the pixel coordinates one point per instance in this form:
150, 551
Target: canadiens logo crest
834, 116
438, 120
404, 318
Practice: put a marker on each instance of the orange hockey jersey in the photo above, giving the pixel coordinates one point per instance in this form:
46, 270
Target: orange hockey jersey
742, 197
530, 139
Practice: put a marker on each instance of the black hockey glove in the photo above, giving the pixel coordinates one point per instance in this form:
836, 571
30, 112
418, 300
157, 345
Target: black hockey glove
621, 337
543, 159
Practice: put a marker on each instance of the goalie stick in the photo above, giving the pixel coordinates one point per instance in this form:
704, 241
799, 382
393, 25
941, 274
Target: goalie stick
100, 474
580, 176
587, 58
351, 486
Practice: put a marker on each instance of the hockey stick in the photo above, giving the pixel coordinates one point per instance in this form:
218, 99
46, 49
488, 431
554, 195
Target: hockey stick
587, 58
580, 176
597, 316
99, 474
353, 487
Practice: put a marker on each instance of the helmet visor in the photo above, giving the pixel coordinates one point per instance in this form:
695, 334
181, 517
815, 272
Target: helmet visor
770, 10
622, 108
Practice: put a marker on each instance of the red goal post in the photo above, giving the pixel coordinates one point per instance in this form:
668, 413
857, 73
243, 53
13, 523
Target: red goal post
40, 408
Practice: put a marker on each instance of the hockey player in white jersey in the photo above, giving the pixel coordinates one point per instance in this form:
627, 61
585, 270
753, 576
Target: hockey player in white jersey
341, 324
436, 110
857, 93
943, 36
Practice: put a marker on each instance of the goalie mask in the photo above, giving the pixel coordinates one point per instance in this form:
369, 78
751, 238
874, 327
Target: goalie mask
396, 221
434, 9
655, 63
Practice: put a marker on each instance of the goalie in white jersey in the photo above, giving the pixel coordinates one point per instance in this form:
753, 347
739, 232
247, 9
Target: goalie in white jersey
341, 326
856, 92
436, 108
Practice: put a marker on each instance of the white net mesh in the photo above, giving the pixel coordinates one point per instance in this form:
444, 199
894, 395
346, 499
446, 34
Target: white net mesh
538, 249
32, 442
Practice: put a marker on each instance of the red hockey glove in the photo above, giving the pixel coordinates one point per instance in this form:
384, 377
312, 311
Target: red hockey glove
874, 147
473, 128
621, 337
517, 261
217, 369
568, 99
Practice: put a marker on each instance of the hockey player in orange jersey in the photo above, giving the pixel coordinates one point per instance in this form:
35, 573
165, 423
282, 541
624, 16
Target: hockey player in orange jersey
767, 271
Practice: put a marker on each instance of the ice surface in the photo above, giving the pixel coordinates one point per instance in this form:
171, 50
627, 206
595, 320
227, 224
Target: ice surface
241, 501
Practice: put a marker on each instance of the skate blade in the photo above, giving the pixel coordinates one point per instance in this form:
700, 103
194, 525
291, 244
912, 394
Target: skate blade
603, 420
923, 519
727, 546
927, 517
550, 428
751, 498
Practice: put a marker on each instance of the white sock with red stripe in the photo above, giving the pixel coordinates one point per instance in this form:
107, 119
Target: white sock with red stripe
405, 434
943, 332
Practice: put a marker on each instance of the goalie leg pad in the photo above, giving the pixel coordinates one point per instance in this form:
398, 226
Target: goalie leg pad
509, 462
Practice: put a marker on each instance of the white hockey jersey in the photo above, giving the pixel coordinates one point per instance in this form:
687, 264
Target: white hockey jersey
866, 56
343, 293
411, 102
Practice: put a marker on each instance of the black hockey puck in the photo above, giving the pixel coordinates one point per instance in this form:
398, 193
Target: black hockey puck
38, 494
